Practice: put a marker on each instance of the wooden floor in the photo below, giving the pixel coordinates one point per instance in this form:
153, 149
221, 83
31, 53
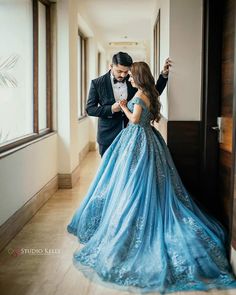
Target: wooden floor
54, 274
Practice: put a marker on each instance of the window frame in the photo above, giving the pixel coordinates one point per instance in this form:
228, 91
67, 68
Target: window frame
19, 141
82, 96
156, 46
99, 57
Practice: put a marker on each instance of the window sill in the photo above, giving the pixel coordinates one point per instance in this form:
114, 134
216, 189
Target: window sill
82, 118
24, 145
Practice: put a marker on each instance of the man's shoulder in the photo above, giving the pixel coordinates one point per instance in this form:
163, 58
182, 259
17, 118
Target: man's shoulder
102, 79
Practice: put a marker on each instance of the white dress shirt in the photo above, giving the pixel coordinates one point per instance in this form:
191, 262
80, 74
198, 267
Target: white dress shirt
119, 89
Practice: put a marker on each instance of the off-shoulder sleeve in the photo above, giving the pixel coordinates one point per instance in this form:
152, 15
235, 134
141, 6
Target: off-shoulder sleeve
137, 100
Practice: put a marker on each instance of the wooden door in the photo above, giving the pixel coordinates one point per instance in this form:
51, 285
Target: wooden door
227, 114
219, 110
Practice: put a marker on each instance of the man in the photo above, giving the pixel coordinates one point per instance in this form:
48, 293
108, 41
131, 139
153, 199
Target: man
106, 92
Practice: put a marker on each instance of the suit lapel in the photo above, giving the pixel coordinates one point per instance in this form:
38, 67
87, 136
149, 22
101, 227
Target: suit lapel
110, 93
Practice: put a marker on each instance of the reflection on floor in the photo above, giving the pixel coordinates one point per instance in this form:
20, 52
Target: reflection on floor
46, 266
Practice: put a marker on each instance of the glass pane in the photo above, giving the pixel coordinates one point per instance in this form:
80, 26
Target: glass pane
16, 69
79, 77
42, 87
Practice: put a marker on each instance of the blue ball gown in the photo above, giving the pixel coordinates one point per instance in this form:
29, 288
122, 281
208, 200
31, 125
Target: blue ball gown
140, 228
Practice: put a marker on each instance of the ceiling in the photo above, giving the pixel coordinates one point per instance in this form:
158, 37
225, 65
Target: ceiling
123, 20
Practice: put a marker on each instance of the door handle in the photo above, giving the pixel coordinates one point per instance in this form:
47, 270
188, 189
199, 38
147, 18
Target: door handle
218, 128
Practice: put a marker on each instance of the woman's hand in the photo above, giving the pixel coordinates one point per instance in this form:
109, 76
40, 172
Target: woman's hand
123, 104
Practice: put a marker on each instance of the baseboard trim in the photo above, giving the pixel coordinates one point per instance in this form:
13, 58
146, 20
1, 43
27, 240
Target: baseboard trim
92, 146
15, 223
68, 180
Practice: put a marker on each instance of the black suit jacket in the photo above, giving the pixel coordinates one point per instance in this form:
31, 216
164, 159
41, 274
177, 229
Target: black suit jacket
100, 100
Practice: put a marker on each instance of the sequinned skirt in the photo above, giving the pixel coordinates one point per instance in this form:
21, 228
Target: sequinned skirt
141, 229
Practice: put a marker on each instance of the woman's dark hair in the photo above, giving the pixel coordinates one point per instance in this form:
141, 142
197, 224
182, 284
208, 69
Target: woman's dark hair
122, 58
144, 80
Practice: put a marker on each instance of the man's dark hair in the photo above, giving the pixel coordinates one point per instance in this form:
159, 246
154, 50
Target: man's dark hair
122, 58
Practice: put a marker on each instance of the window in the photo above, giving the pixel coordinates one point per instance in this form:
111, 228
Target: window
156, 47
99, 64
82, 75
42, 67
25, 75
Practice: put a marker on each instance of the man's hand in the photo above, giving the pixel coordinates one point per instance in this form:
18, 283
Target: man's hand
115, 107
166, 68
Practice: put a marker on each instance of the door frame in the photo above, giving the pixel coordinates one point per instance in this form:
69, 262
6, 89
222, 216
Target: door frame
211, 90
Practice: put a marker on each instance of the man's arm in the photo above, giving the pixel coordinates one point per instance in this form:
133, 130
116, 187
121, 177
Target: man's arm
163, 78
93, 108
161, 84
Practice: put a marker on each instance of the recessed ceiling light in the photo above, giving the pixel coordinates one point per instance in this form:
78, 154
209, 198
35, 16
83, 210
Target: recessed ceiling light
123, 43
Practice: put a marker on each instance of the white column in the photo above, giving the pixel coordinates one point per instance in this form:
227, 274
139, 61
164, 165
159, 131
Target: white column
67, 34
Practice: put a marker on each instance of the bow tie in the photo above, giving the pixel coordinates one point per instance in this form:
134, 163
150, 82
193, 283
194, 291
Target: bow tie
116, 81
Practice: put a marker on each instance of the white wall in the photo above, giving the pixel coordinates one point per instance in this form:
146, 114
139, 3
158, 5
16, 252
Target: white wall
87, 127
164, 6
93, 48
24, 173
66, 84
181, 40
184, 93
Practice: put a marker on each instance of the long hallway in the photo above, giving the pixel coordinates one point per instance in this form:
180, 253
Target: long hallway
46, 267
60, 102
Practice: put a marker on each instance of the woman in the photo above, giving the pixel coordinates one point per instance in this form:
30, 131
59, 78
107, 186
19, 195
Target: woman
141, 229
